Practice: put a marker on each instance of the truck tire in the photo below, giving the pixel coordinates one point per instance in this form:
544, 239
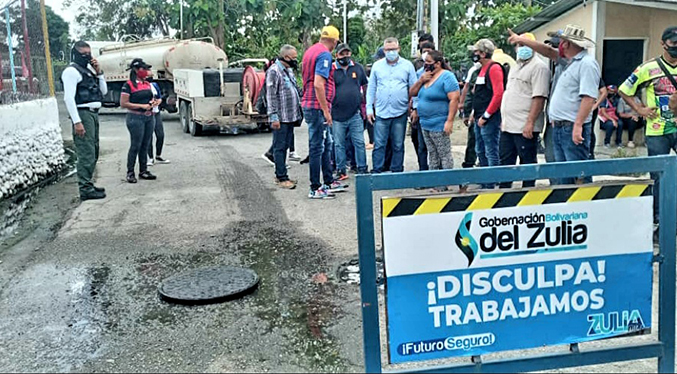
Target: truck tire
195, 128
185, 114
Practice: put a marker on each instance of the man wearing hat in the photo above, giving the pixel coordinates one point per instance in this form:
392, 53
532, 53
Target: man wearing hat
657, 78
349, 79
522, 109
487, 98
318, 94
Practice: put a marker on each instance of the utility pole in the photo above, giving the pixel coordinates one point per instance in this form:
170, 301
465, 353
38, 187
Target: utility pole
27, 46
345, 21
11, 50
181, 16
48, 55
434, 21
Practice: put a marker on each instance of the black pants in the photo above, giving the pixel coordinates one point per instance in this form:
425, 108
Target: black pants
282, 138
631, 125
470, 153
419, 145
159, 137
140, 132
593, 137
512, 146
370, 130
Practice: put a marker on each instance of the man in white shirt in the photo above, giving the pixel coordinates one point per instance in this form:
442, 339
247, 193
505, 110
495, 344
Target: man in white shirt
84, 89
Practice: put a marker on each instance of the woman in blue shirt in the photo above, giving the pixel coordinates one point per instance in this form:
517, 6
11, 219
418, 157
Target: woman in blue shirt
438, 95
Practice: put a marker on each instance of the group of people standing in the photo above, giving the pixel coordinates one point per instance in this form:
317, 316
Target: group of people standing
84, 88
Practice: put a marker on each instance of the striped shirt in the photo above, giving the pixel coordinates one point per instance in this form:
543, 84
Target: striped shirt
317, 61
282, 94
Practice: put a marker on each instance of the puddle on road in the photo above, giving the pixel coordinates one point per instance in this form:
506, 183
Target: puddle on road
294, 292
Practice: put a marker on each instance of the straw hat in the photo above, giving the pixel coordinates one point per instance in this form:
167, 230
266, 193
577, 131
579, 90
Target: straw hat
574, 34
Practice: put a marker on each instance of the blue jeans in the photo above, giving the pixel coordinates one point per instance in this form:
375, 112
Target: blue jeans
354, 128
657, 146
320, 145
566, 150
487, 138
394, 129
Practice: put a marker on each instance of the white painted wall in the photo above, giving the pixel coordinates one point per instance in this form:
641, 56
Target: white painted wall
31, 146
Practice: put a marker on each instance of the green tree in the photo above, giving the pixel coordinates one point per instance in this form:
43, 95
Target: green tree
57, 27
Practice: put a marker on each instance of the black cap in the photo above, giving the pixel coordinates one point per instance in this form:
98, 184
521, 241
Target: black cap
343, 47
138, 64
670, 34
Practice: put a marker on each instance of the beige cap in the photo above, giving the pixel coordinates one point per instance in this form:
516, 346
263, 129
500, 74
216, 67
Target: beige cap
483, 45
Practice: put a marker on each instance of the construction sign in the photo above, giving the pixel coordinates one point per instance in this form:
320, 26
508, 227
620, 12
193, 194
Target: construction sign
476, 274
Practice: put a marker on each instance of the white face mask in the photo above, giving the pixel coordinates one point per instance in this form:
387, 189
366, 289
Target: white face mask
392, 55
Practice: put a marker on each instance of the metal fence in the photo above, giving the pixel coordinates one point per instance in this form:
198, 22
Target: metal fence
25, 61
663, 348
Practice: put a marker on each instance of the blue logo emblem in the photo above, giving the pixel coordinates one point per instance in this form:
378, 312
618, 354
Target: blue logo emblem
464, 240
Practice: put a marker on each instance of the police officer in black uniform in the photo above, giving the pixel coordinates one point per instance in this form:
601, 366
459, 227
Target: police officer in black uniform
84, 87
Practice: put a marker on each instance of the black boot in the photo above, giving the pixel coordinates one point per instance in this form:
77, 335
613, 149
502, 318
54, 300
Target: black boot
92, 195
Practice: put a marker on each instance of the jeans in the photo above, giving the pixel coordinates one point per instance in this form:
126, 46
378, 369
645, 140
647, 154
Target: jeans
281, 140
486, 143
470, 153
87, 148
609, 128
516, 145
159, 137
394, 129
354, 129
320, 144
420, 145
657, 146
140, 132
566, 150
271, 150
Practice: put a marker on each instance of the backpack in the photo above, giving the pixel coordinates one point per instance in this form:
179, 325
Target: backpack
506, 71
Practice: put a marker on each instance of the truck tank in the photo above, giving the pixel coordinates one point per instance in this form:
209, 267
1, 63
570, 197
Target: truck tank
164, 55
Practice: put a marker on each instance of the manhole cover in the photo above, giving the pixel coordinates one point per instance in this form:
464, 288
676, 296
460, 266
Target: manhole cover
209, 285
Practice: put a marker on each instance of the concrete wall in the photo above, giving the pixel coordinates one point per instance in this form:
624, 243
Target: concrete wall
630, 21
31, 146
581, 15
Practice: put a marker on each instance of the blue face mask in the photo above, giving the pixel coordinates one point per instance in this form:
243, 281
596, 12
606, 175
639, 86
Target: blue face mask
392, 55
524, 53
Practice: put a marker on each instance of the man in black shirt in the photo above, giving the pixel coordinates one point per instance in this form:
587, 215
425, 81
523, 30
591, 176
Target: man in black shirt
349, 80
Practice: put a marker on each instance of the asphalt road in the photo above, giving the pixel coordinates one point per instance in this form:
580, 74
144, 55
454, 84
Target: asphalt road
80, 294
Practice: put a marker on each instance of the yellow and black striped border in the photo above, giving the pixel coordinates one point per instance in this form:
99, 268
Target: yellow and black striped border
407, 206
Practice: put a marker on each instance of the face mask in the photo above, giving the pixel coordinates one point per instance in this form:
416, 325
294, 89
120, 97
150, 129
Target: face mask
392, 55
476, 58
524, 53
672, 51
81, 59
292, 63
344, 61
429, 67
142, 74
561, 50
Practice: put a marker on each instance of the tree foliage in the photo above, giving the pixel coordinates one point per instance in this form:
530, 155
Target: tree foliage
58, 29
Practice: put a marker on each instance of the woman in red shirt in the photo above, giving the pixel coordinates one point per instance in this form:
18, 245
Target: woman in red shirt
137, 98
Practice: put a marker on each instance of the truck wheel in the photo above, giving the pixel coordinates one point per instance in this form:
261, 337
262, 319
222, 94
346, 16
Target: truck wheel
195, 128
185, 114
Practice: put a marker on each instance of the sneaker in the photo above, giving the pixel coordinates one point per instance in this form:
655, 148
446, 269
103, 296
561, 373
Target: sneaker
161, 160
92, 195
151, 162
131, 178
147, 176
320, 193
336, 186
631, 144
342, 177
607, 145
269, 158
293, 156
288, 185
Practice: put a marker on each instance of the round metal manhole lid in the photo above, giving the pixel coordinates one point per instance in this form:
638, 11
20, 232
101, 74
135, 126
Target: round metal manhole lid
209, 285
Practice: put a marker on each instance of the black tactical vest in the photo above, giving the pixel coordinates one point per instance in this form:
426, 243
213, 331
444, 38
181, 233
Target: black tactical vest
88, 90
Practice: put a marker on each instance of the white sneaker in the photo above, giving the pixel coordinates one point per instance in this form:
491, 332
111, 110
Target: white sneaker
151, 162
293, 156
631, 145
